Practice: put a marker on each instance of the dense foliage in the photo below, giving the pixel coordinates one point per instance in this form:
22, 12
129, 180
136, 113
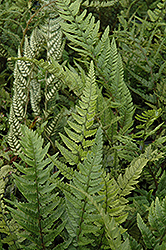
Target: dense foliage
82, 124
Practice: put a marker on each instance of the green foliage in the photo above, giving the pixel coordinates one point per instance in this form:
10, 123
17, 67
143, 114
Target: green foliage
154, 236
8, 227
82, 124
98, 4
86, 172
148, 118
86, 208
142, 42
42, 207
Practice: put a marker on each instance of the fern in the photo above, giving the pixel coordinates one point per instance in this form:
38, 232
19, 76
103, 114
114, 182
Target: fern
113, 232
9, 229
42, 207
78, 141
80, 214
158, 13
82, 31
142, 52
27, 84
147, 118
154, 237
22, 86
107, 196
88, 205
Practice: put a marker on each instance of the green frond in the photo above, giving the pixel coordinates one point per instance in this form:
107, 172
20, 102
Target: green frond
112, 204
148, 118
146, 233
113, 231
154, 234
42, 207
158, 13
128, 149
106, 116
124, 97
82, 30
130, 178
147, 97
133, 243
110, 67
81, 214
80, 137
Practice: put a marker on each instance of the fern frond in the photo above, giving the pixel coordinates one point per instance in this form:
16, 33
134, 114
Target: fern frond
146, 233
23, 85
158, 13
77, 141
131, 176
42, 207
124, 97
111, 204
133, 243
147, 118
110, 67
81, 214
53, 36
113, 231
82, 30
154, 235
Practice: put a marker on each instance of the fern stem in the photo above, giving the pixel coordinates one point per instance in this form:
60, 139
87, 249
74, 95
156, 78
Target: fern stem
38, 205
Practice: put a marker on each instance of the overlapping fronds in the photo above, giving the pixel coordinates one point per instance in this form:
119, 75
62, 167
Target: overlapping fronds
154, 235
112, 230
114, 192
83, 33
25, 83
142, 56
42, 207
29, 79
